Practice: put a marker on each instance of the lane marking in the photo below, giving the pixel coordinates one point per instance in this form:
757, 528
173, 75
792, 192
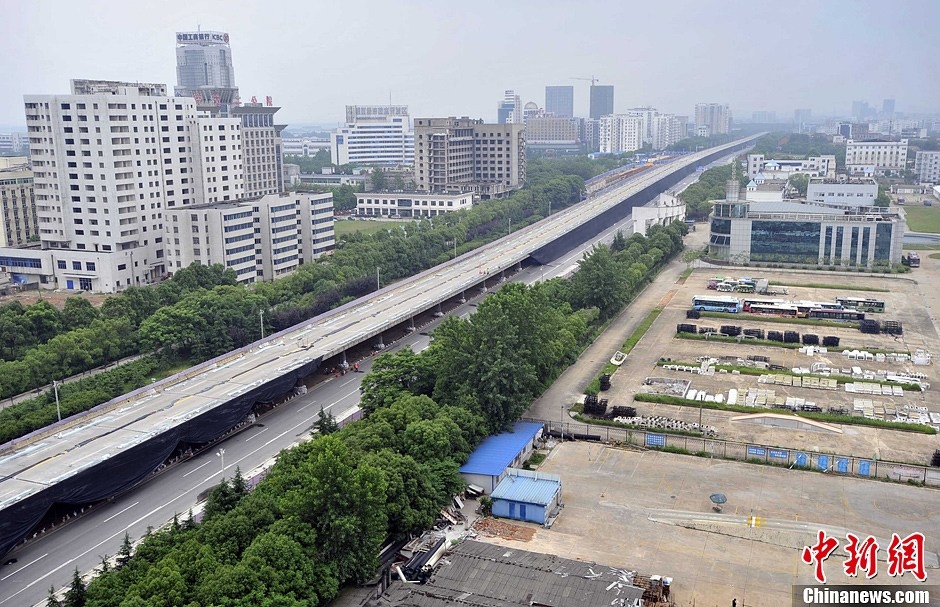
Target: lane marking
195, 469
265, 429
23, 567
120, 513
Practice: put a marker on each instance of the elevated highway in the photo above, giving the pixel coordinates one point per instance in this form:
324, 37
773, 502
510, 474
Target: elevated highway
90, 457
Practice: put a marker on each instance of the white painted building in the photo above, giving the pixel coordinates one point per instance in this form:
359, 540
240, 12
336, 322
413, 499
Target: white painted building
875, 157
667, 208
813, 166
927, 166
303, 146
847, 192
410, 204
17, 208
260, 239
715, 117
374, 135
620, 133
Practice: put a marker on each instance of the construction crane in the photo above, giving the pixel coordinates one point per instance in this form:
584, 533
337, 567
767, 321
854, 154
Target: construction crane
592, 79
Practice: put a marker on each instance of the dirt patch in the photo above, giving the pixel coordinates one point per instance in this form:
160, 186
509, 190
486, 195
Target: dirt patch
56, 298
491, 527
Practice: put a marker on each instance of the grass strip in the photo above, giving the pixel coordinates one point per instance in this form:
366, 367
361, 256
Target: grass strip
609, 368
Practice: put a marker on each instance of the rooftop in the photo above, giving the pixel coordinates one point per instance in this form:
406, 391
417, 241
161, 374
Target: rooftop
528, 487
496, 452
477, 575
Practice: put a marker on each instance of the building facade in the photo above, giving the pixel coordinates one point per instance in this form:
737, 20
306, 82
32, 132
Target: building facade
12, 144
509, 109
410, 204
848, 192
875, 157
18, 222
259, 239
812, 234
927, 166
559, 101
620, 133
813, 166
304, 146
552, 131
204, 68
715, 117
602, 100
456, 155
374, 135
262, 151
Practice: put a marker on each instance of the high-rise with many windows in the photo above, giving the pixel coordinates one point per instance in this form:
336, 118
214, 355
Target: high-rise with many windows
712, 118
602, 100
374, 135
559, 100
204, 68
17, 208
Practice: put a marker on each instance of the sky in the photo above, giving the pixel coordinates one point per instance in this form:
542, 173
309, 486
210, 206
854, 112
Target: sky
444, 58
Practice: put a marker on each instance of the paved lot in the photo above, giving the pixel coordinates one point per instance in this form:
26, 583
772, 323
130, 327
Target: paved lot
649, 511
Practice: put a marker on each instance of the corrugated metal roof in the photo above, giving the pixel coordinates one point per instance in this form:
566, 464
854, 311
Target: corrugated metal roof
496, 452
526, 489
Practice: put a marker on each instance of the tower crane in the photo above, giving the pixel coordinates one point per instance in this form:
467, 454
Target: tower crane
592, 79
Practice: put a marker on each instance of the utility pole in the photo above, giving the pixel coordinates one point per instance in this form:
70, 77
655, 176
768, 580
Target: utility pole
261, 314
378, 283
55, 388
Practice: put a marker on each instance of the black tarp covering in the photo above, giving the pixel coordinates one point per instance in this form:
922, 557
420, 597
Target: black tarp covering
598, 224
122, 471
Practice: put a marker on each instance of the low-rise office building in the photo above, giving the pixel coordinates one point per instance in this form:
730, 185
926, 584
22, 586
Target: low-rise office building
410, 204
875, 157
927, 166
845, 192
18, 223
802, 233
771, 168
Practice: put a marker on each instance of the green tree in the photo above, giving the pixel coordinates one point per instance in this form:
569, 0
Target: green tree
377, 177
53, 601
75, 595
326, 423
77, 313
799, 182
598, 283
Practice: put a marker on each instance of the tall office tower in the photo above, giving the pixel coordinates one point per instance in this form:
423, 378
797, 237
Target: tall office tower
602, 100
108, 160
802, 116
887, 108
509, 110
18, 222
374, 134
860, 109
559, 100
454, 155
714, 117
204, 69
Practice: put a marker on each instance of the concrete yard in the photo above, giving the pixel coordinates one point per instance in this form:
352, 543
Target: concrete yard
636, 510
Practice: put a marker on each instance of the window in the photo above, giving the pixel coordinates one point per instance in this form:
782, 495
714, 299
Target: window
90, 266
60, 264
76, 265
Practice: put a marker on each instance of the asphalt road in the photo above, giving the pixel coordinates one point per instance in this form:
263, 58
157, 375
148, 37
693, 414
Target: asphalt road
82, 543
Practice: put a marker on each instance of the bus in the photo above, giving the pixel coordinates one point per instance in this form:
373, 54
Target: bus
833, 314
716, 303
803, 308
913, 259
861, 303
714, 282
774, 309
747, 302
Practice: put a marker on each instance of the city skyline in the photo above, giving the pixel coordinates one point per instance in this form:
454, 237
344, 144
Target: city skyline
453, 62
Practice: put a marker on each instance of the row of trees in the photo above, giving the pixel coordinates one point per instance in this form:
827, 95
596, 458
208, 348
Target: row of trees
710, 186
318, 520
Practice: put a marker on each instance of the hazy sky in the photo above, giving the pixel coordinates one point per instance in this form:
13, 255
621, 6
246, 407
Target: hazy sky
442, 57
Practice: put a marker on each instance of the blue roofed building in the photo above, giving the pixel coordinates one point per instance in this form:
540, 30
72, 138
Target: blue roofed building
527, 495
488, 463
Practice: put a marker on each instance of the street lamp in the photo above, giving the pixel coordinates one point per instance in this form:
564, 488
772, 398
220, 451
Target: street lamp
378, 283
510, 225
221, 454
563, 422
261, 314
55, 388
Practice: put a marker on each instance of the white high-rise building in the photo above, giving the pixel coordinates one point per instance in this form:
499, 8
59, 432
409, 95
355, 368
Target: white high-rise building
667, 129
204, 68
927, 166
374, 134
875, 157
712, 118
646, 116
620, 133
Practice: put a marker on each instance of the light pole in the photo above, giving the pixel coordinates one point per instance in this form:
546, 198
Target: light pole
563, 422
261, 314
378, 283
221, 454
510, 225
55, 388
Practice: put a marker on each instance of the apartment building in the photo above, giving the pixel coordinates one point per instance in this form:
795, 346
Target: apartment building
457, 155
927, 166
714, 118
261, 149
875, 157
17, 208
552, 131
620, 133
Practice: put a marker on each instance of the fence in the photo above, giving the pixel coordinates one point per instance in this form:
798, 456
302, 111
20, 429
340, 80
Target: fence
843, 465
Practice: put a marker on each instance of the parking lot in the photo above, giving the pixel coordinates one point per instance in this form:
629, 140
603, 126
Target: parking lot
906, 302
650, 512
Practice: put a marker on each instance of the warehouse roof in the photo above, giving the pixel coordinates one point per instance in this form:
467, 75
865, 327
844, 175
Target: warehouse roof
496, 452
528, 487
482, 575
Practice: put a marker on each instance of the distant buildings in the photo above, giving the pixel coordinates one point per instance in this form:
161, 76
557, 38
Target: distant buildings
304, 146
712, 119
875, 157
457, 155
813, 166
552, 132
764, 117
374, 135
927, 166
802, 116
204, 69
18, 222
602, 101
509, 110
12, 144
559, 100
620, 133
